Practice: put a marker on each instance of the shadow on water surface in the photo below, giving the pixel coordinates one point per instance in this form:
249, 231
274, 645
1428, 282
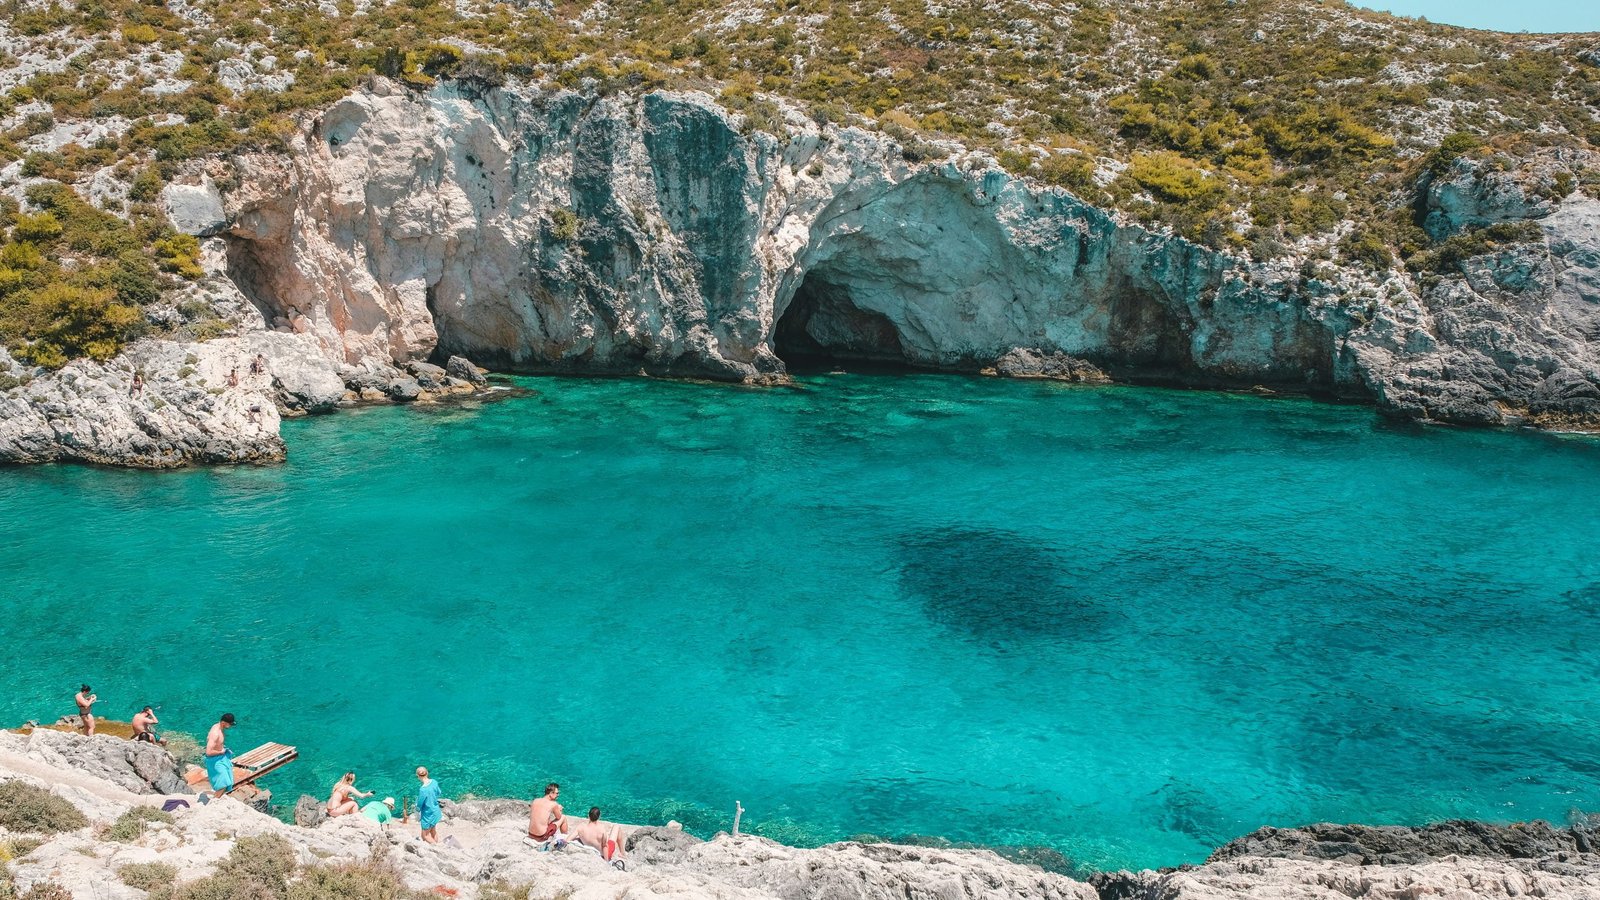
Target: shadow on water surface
995, 586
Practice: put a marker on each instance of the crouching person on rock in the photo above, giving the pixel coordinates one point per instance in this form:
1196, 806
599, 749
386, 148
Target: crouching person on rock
382, 811
342, 802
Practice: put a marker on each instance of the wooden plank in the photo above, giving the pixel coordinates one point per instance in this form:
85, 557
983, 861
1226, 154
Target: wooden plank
263, 754
247, 768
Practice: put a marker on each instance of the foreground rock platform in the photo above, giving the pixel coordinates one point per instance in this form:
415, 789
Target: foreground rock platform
104, 777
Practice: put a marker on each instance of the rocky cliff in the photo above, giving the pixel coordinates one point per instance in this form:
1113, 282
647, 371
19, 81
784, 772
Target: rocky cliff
100, 855
548, 230
558, 232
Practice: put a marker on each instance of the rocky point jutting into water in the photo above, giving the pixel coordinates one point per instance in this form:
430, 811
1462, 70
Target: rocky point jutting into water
106, 852
556, 231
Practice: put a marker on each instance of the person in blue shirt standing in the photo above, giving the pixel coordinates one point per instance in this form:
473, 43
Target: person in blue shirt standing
428, 812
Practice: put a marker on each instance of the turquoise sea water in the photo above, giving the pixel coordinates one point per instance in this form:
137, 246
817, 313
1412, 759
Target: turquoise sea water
1128, 624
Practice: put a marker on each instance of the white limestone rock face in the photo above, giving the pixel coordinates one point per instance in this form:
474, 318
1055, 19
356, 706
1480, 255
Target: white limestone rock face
1515, 337
554, 231
194, 208
132, 766
186, 412
550, 231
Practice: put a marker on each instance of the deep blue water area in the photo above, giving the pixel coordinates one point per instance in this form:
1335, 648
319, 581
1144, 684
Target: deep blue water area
1127, 624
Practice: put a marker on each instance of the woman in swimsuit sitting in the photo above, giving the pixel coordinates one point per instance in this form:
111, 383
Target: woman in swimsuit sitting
343, 802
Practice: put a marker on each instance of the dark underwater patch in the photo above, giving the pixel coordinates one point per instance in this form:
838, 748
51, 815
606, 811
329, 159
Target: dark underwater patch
994, 585
1188, 810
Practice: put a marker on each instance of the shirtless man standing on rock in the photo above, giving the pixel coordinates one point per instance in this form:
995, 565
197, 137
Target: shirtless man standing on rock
219, 759
545, 819
85, 700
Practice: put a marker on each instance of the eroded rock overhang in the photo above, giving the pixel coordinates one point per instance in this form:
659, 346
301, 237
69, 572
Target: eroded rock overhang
557, 232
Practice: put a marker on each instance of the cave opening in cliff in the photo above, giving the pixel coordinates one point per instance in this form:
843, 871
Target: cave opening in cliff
822, 327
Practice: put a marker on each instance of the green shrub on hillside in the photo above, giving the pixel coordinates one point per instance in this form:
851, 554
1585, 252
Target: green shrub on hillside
45, 890
35, 228
1173, 177
1317, 133
349, 882
263, 868
180, 254
1449, 255
1234, 115
1073, 171
153, 878
146, 186
130, 826
1366, 247
26, 809
1452, 148
60, 322
72, 277
564, 225
140, 34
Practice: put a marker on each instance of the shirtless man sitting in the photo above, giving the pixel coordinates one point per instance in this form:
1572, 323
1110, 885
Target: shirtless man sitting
603, 838
85, 700
545, 819
144, 723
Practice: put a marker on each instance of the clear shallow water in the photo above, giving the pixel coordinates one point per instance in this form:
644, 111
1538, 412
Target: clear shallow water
1129, 624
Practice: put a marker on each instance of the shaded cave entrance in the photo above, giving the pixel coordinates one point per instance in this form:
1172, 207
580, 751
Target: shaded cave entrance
823, 328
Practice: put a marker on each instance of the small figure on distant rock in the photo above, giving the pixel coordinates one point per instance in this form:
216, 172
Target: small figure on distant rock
428, 811
136, 386
254, 414
219, 759
85, 700
258, 365
144, 722
343, 800
233, 377
545, 819
381, 812
604, 839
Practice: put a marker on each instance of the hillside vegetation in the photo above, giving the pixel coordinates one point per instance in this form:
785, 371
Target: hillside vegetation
1266, 127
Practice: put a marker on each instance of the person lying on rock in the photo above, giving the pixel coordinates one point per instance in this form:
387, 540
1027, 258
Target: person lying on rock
603, 837
381, 812
144, 723
545, 819
85, 700
342, 802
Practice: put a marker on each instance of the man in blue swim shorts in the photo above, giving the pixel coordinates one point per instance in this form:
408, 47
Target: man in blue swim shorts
219, 759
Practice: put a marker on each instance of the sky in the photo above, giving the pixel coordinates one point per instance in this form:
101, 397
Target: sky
1499, 15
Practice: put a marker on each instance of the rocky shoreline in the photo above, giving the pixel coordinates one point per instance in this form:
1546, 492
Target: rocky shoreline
545, 230
103, 778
